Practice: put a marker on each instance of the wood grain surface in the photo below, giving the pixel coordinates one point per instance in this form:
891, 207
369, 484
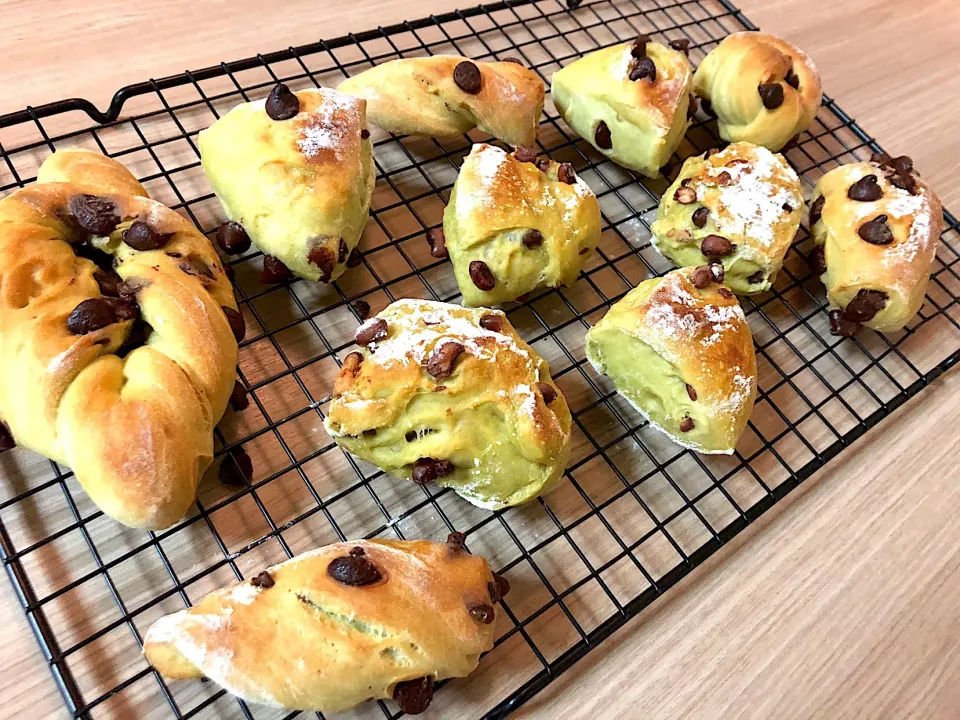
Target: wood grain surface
840, 602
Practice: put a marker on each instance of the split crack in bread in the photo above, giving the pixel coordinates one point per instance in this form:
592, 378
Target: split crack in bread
644, 120
300, 186
338, 625
745, 194
136, 429
879, 286
453, 395
530, 229
421, 96
762, 88
679, 349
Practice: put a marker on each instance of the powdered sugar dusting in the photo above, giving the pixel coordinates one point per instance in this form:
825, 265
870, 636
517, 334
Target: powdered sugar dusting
485, 165
680, 316
327, 127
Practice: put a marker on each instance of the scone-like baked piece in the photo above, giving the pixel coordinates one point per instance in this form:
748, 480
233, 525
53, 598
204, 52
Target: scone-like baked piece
339, 625
762, 88
300, 185
118, 336
453, 395
512, 227
447, 95
740, 206
680, 350
876, 226
629, 101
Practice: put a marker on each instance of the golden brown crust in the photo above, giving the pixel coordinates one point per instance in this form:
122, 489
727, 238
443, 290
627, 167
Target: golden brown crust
309, 642
418, 96
137, 431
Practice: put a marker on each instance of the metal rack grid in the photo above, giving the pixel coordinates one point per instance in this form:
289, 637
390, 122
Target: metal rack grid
634, 513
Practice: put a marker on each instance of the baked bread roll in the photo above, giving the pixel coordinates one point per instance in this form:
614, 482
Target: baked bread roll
513, 226
632, 102
445, 95
761, 88
296, 171
679, 349
369, 619
453, 395
875, 226
740, 207
118, 336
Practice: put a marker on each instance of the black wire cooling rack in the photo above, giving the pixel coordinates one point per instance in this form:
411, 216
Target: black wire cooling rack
634, 513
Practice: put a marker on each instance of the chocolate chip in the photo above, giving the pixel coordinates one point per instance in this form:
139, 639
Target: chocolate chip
493, 323
357, 551
97, 313
263, 580
457, 540
108, 281
428, 469
724, 293
681, 45
232, 238
876, 231
482, 613
691, 392
323, 258
865, 305
565, 174
237, 323
865, 189
525, 153
371, 331
716, 246
370, 433
197, 268
685, 195
707, 107
354, 570
602, 136
352, 363
699, 216
686, 425
881, 159
467, 77
364, 134
771, 95
692, 108
95, 215
140, 236
499, 588
362, 309
816, 210
481, 275
644, 70
342, 251
414, 696
757, 277
724, 179
701, 277
840, 326
274, 271
583, 251
281, 103
355, 258
903, 164
818, 260
905, 181
532, 239
639, 47
437, 242
6, 439
791, 79
236, 470
410, 436
514, 60
685, 182
716, 269
443, 359
543, 164
548, 391
238, 398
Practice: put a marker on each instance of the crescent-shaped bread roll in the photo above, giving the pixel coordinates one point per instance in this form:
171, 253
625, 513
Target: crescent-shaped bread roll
679, 349
528, 228
445, 95
876, 226
634, 118
452, 395
762, 88
117, 361
326, 630
740, 207
299, 186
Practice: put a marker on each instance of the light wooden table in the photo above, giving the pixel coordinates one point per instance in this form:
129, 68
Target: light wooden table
842, 601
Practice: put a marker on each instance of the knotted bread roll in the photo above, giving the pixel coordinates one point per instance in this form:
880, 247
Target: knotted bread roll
452, 395
118, 336
875, 226
514, 225
761, 88
679, 349
296, 171
631, 101
446, 95
370, 619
